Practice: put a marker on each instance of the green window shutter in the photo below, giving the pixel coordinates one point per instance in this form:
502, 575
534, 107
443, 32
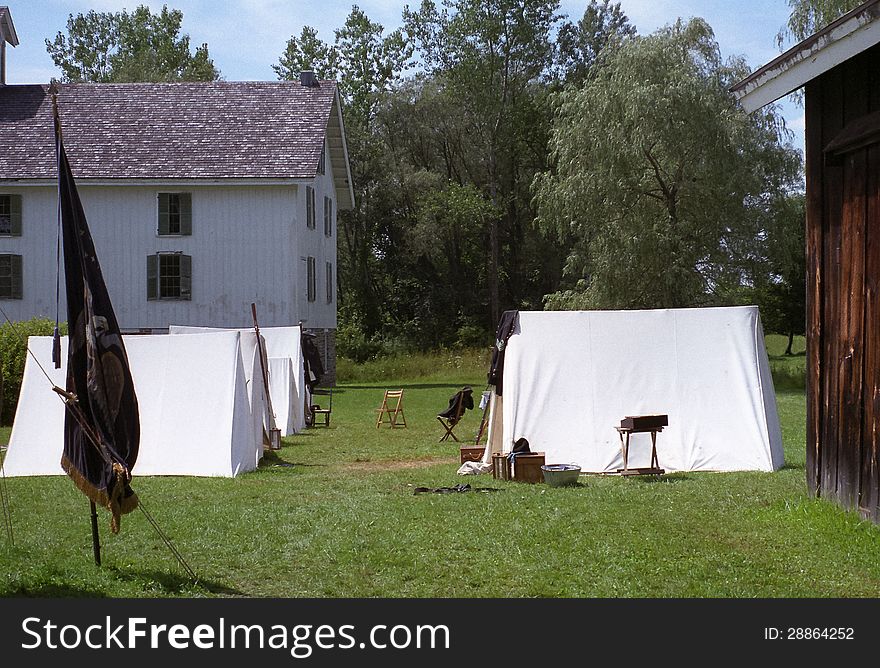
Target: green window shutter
164, 213
16, 277
15, 221
310, 288
310, 207
152, 277
329, 283
186, 277
186, 213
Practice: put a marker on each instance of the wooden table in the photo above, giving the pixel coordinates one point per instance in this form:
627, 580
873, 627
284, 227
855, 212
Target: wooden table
625, 433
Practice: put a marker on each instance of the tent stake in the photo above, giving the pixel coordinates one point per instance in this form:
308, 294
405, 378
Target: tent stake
96, 539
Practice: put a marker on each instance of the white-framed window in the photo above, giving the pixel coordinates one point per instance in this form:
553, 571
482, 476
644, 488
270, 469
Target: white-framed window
311, 282
10, 276
169, 276
329, 273
328, 217
321, 162
10, 215
175, 214
310, 207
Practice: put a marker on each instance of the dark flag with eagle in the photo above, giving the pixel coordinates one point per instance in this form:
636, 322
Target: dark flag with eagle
102, 423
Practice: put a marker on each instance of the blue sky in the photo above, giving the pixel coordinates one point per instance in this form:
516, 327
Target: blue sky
245, 37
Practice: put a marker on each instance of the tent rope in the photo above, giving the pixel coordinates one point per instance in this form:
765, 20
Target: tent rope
168, 543
4, 501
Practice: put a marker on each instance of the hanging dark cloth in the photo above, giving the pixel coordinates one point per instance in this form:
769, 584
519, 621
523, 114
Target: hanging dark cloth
98, 374
458, 403
505, 329
314, 369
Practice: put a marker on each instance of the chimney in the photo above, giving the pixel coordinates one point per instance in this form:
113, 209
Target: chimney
7, 34
308, 79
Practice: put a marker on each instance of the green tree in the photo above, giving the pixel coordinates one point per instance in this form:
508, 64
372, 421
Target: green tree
581, 45
810, 16
661, 184
779, 284
443, 234
136, 46
491, 56
307, 53
367, 63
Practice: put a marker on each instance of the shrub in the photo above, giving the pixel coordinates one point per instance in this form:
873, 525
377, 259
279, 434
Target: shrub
351, 343
13, 351
472, 336
462, 365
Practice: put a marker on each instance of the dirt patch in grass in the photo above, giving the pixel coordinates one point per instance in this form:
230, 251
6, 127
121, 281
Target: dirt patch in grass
395, 465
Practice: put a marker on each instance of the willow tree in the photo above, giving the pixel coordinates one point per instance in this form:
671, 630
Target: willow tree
810, 16
662, 188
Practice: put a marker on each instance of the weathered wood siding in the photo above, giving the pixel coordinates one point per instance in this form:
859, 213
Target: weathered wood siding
843, 286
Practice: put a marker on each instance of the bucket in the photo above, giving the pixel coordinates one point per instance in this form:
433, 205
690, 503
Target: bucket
559, 475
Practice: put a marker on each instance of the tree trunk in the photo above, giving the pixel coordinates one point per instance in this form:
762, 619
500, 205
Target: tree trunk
790, 342
494, 307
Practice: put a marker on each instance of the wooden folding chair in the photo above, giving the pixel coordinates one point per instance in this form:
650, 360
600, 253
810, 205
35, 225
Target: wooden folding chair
458, 403
317, 409
391, 396
449, 425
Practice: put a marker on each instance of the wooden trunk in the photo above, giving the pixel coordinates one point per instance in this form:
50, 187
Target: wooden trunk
471, 453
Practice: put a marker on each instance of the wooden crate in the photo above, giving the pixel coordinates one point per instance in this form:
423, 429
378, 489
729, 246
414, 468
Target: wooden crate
500, 467
472, 453
527, 468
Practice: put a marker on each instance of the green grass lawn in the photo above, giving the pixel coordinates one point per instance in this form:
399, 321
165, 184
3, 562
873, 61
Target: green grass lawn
789, 371
333, 514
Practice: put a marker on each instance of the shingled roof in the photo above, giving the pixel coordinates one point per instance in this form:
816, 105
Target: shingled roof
162, 131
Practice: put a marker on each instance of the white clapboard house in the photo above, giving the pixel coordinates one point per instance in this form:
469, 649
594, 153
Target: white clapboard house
202, 198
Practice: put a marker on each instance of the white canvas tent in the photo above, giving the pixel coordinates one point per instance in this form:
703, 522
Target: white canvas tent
571, 376
285, 368
192, 398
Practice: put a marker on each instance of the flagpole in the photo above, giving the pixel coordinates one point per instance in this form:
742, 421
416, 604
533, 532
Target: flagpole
56, 343
96, 538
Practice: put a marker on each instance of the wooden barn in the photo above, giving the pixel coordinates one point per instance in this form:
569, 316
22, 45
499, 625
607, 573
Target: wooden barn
839, 68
